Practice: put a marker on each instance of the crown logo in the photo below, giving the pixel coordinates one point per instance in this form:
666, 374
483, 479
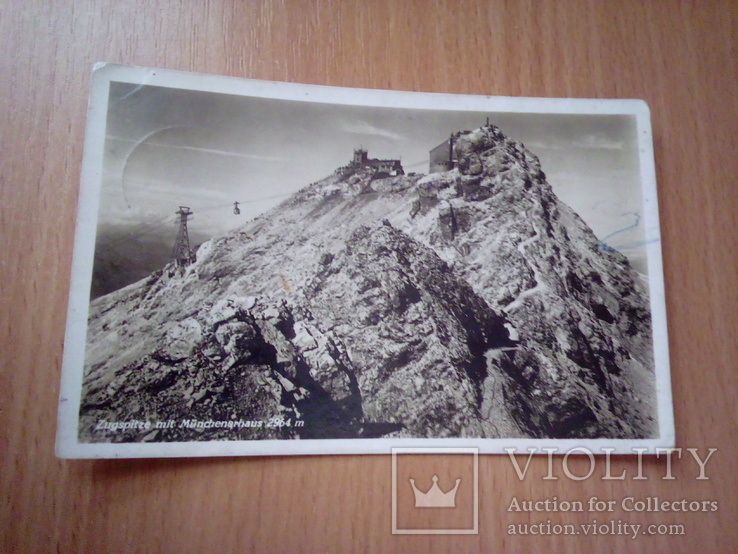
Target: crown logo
435, 497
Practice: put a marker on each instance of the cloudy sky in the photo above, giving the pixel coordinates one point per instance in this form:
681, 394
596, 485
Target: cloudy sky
169, 147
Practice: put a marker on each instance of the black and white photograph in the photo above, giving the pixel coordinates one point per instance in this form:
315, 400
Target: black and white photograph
266, 268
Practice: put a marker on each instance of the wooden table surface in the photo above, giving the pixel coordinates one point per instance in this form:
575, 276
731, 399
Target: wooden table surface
678, 56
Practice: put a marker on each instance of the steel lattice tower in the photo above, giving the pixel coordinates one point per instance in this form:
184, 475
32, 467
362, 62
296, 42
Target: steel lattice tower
182, 253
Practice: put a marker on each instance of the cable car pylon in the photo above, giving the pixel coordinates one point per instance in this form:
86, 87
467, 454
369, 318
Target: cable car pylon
182, 254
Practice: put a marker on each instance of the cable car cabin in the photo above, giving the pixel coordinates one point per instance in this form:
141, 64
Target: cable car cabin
236, 209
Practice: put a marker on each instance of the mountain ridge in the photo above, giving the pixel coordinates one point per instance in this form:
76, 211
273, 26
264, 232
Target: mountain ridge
551, 334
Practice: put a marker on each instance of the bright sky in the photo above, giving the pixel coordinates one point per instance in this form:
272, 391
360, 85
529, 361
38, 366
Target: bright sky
170, 147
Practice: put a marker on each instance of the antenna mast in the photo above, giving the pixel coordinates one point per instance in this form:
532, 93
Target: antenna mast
182, 253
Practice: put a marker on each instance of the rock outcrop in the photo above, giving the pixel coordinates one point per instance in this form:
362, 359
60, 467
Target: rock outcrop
470, 303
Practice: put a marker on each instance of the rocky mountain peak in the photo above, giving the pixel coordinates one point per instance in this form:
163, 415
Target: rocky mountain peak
465, 303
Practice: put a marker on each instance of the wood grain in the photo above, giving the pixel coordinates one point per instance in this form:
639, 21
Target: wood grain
678, 56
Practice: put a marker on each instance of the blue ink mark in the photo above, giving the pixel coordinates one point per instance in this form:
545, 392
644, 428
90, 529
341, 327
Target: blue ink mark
602, 245
633, 226
620, 248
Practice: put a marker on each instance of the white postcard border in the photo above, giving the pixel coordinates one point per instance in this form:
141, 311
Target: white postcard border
68, 445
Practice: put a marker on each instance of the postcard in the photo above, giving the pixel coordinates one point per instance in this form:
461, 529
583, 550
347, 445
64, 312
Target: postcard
268, 268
